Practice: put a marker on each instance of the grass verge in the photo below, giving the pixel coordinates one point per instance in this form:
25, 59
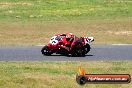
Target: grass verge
58, 74
63, 10
33, 22
38, 33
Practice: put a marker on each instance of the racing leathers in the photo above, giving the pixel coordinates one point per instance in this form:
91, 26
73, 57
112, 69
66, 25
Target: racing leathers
66, 42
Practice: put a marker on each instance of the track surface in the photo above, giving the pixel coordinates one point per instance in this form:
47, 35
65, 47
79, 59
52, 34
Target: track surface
98, 52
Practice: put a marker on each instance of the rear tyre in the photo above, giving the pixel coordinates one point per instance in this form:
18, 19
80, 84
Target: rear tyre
46, 51
87, 48
78, 51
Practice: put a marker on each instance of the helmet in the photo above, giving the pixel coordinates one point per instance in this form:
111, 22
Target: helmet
68, 36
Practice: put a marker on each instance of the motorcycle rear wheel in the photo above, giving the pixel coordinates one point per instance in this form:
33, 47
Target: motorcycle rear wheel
87, 48
78, 52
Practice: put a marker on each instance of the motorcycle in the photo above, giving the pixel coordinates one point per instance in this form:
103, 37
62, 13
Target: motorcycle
80, 46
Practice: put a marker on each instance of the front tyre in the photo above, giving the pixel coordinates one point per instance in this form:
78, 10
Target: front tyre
46, 51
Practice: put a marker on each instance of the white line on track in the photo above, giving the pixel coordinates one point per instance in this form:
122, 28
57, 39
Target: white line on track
39, 45
122, 44
111, 44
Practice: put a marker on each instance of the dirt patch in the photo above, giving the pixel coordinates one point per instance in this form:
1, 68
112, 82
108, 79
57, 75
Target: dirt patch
119, 32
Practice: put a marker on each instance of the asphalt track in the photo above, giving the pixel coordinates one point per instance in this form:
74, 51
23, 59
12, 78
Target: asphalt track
98, 52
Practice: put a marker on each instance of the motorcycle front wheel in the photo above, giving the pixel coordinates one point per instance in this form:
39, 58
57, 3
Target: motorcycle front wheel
46, 51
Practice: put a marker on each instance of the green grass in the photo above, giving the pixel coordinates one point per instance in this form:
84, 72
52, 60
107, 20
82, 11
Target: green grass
63, 10
33, 22
58, 74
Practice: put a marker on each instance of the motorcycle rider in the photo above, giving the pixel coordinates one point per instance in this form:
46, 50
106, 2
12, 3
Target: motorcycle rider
67, 41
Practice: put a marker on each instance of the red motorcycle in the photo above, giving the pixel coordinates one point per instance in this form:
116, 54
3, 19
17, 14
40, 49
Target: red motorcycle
80, 46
